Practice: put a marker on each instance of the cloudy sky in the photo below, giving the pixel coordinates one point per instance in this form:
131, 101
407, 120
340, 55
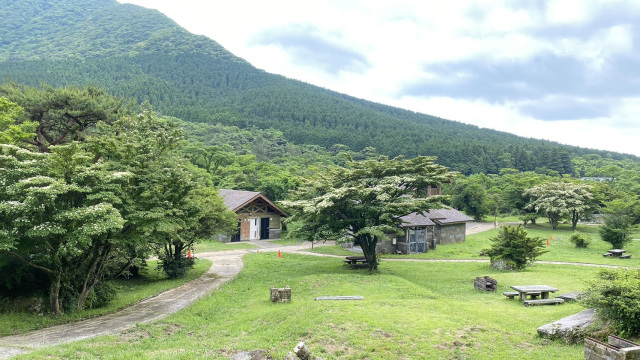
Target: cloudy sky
566, 70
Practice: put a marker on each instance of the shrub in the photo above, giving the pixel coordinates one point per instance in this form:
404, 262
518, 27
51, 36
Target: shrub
513, 245
615, 294
176, 268
579, 240
616, 230
101, 295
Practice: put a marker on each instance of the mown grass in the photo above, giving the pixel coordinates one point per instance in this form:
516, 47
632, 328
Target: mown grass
560, 248
130, 291
412, 310
215, 246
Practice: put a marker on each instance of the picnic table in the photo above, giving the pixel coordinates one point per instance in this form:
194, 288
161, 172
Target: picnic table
355, 260
616, 252
533, 291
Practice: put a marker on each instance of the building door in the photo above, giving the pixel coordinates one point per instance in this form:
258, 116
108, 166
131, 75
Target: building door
236, 236
417, 240
264, 228
253, 229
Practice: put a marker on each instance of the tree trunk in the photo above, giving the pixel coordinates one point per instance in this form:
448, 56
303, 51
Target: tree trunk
368, 245
574, 219
93, 273
54, 293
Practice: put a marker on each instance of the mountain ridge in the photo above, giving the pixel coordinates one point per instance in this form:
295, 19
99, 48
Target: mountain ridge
135, 52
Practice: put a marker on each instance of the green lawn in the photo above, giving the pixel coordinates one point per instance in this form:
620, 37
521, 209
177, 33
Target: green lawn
560, 248
130, 291
214, 246
411, 310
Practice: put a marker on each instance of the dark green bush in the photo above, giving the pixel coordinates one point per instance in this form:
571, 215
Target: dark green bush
579, 240
616, 230
512, 244
101, 295
615, 294
176, 268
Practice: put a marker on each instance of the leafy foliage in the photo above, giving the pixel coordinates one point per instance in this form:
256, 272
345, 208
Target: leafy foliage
62, 114
558, 199
615, 295
512, 244
579, 240
10, 131
615, 230
364, 201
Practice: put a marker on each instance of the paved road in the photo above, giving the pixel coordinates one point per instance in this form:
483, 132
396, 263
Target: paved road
226, 265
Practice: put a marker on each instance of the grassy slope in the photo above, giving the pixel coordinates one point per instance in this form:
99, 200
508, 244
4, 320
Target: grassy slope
560, 248
130, 291
411, 310
214, 246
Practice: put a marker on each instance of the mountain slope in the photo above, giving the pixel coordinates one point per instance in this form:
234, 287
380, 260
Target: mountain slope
136, 52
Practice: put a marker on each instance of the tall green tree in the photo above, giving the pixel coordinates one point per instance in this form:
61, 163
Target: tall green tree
470, 195
364, 201
58, 208
168, 204
558, 199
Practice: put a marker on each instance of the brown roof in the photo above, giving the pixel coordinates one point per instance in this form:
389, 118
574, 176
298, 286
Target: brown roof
415, 219
435, 216
236, 199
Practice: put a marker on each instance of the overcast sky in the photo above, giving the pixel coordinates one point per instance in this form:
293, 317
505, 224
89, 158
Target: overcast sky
566, 70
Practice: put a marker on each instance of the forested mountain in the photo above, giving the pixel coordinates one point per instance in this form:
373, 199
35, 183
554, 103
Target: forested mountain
136, 52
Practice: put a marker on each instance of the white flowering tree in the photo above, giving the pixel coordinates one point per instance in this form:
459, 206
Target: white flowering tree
56, 212
364, 201
561, 199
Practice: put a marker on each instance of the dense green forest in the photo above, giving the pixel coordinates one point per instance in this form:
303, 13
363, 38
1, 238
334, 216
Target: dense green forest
139, 53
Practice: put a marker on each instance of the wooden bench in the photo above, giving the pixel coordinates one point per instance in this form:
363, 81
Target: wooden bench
625, 256
553, 301
355, 260
607, 254
510, 294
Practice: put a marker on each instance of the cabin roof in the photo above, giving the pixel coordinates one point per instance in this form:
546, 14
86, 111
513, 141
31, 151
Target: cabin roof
237, 199
435, 216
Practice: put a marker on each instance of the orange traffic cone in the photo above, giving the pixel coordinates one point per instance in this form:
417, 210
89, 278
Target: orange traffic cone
547, 242
189, 254
279, 255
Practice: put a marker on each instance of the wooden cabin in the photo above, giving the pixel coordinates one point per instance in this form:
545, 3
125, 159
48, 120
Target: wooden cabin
258, 217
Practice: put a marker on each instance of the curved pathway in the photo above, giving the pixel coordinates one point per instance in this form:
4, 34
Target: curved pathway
226, 265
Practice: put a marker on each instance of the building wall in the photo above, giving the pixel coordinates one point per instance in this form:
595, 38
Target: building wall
449, 234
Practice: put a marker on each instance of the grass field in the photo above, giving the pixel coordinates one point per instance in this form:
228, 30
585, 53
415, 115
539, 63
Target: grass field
560, 248
130, 291
411, 310
214, 246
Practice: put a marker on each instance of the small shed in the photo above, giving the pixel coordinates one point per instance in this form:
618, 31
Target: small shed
423, 232
258, 217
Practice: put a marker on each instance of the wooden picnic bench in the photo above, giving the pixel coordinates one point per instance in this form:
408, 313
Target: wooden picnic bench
554, 301
355, 260
625, 256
